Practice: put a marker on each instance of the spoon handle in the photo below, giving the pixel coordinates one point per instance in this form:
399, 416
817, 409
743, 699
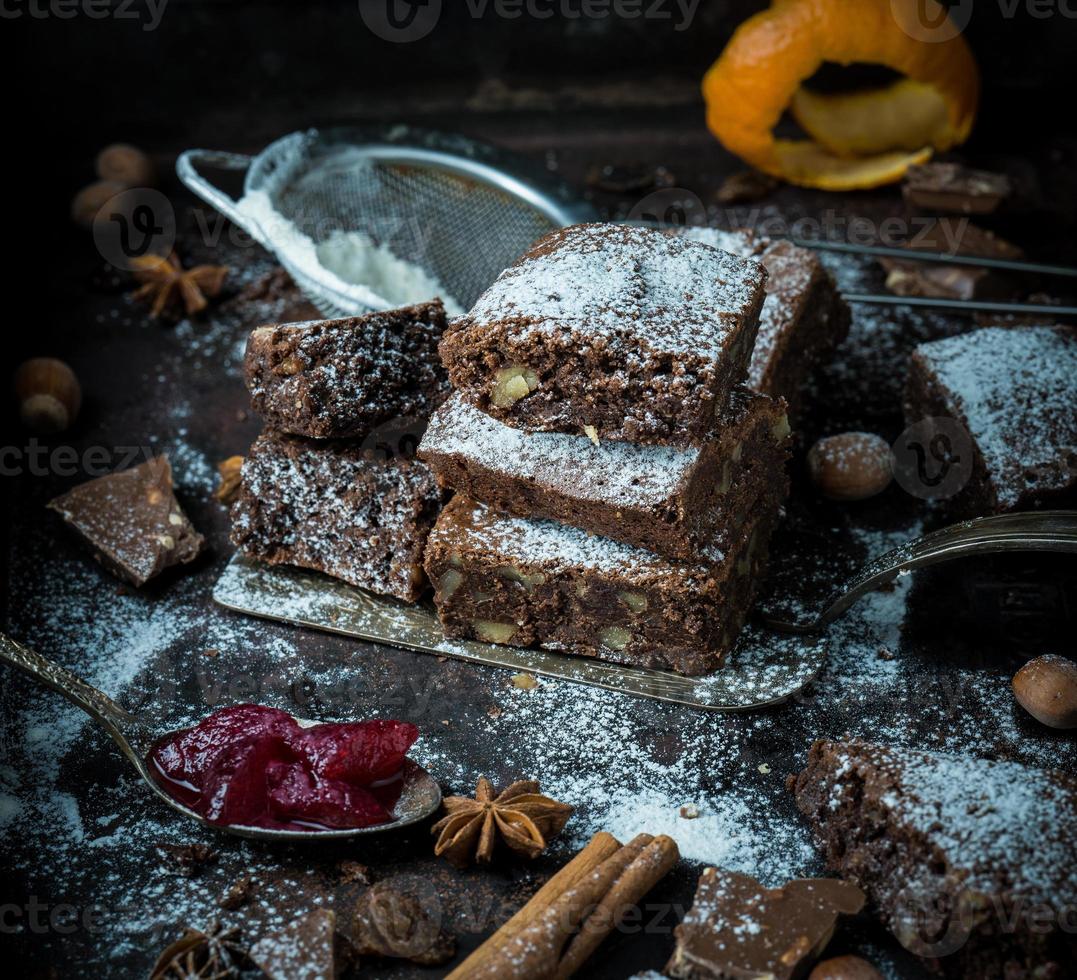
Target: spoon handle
98, 705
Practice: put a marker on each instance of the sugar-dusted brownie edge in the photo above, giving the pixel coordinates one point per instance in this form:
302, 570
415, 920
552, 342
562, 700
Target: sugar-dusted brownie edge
964, 860
620, 329
341, 378
669, 500
1012, 390
512, 580
132, 521
335, 508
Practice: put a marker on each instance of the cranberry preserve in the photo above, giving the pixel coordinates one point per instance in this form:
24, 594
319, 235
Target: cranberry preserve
256, 767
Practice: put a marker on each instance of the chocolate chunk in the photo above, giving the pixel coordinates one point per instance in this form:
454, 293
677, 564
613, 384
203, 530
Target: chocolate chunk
394, 924
132, 520
304, 949
188, 858
746, 186
955, 237
954, 189
738, 928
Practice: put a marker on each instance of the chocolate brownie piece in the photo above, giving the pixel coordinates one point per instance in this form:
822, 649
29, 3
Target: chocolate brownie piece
329, 379
620, 331
539, 583
338, 509
969, 863
132, 520
1014, 392
738, 928
670, 500
804, 317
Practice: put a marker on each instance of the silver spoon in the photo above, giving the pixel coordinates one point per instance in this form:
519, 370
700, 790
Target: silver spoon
419, 797
1046, 530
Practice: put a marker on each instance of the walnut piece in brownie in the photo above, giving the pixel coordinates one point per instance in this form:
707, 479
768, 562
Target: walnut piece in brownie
328, 379
1014, 390
132, 520
338, 509
539, 583
622, 331
738, 928
668, 499
969, 863
804, 317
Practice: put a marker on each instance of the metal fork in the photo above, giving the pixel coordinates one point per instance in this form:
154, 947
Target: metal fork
1048, 530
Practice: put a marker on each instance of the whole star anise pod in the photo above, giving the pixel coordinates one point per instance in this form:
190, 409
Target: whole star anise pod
520, 817
164, 281
212, 954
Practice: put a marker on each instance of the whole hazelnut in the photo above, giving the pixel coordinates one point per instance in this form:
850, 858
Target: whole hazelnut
91, 199
850, 466
49, 394
127, 165
1046, 687
844, 968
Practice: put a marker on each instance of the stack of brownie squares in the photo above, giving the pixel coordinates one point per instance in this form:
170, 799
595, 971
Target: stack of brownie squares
322, 488
617, 480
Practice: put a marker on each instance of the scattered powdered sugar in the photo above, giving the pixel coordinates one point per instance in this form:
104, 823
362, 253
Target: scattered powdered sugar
626, 284
348, 262
1016, 389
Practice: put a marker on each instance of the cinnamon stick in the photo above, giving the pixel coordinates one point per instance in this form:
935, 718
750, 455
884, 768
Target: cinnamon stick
486, 959
649, 867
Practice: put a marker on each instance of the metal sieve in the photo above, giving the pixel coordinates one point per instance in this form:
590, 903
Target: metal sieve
461, 210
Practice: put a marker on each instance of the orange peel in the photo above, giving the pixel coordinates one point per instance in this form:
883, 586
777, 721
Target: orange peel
857, 140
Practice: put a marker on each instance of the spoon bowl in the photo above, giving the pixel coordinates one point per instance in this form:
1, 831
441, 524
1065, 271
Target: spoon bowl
420, 795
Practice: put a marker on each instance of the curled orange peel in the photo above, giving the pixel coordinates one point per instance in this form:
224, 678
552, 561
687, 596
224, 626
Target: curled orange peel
860, 139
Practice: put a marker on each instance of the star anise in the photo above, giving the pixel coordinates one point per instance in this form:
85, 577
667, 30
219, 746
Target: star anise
519, 817
164, 281
212, 954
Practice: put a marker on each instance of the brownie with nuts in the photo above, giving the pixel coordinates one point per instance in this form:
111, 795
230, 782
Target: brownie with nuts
671, 500
339, 509
335, 379
804, 317
525, 582
132, 520
617, 331
1013, 392
969, 863
738, 928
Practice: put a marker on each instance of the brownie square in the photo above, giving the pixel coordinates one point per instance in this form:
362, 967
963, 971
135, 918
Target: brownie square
527, 582
969, 863
330, 379
1013, 391
620, 331
338, 509
671, 500
804, 317
132, 520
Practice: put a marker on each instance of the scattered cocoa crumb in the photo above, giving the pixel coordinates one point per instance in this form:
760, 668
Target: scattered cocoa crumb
211, 653
746, 186
188, 859
885, 653
494, 711
238, 894
353, 873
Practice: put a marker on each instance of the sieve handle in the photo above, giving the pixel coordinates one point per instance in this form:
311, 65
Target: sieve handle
187, 169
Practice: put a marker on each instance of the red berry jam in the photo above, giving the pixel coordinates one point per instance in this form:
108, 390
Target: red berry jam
256, 767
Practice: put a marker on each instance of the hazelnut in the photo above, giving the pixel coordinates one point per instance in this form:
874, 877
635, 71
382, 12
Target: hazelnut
850, 466
490, 631
511, 384
49, 394
125, 164
91, 199
1046, 687
635, 601
844, 968
614, 637
449, 582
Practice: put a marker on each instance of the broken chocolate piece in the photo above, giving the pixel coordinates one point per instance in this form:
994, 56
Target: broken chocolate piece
953, 237
746, 186
954, 189
188, 858
304, 949
132, 520
738, 928
238, 894
393, 924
